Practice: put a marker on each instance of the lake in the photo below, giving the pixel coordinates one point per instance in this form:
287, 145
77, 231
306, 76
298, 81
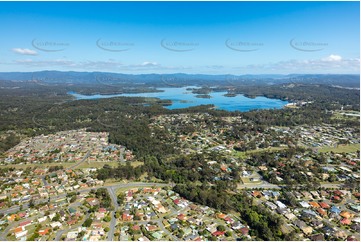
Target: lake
181, 98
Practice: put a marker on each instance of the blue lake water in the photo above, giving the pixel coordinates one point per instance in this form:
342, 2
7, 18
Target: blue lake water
181, 98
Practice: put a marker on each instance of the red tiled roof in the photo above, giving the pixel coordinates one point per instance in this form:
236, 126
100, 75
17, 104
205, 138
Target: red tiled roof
244, 230
218, 233
345, 221
321, 211
324, 205
71, 222
102, 210
18, 229
21, 215
228, 219
126, 217
24, 223
136, 227
338, 193
181, 217
346, 214
256, 193
314, 204
152, 227
44, 231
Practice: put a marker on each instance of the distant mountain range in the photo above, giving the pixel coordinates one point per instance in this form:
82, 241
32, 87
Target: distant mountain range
72, 77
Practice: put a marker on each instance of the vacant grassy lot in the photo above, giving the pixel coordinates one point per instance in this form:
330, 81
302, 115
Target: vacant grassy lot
341, 148
96, 164
246, 153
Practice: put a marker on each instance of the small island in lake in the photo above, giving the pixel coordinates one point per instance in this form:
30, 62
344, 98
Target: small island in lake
185, 101
230, 95
203, 96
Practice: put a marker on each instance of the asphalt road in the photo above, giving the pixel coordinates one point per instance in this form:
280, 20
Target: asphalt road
262, 185
82, 160
114, 220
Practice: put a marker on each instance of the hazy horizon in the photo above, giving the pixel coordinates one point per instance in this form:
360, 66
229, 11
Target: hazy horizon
181, 73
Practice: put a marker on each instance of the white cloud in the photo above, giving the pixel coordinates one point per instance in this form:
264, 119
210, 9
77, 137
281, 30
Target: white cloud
332, 58
148, 63
24, 51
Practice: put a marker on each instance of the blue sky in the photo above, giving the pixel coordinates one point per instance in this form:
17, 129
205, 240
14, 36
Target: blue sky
187, 37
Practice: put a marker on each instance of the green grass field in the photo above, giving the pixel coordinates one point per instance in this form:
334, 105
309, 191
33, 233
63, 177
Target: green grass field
340, 115
341, 148
96, 164
247, 180
136, 163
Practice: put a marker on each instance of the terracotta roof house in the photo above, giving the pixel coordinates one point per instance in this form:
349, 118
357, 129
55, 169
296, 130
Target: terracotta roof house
21, 215
96, 225
25, 223
102, 210
256, 194
338, 193
244, 230
228, 220
314, 204
43, 232
345, 221
18, 229
321, 212
2, 204
71, 222
218, 233
346, 214
151, 227
181, 217
324, 205
127, 217
136, 227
